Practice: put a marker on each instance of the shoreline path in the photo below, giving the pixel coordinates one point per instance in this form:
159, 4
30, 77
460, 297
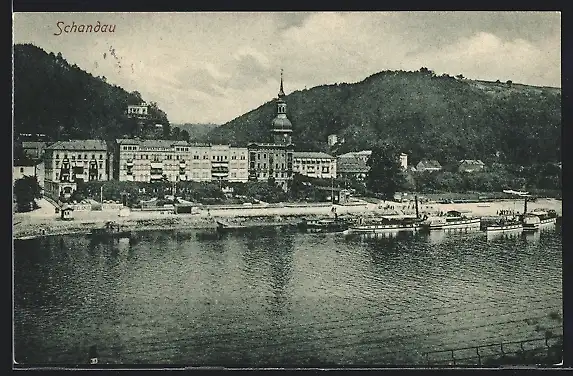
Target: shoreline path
45, 219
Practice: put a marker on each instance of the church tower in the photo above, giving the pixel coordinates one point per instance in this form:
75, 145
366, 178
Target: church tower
281, 127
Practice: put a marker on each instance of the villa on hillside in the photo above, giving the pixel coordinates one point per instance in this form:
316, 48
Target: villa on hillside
362, 155
428, 165
140, 111
470, 165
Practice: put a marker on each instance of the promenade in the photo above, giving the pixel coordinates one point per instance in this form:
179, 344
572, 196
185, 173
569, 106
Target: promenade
46, 221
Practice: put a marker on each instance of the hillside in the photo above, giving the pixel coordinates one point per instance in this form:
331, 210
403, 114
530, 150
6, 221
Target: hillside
63, 101
428, 116
197, 132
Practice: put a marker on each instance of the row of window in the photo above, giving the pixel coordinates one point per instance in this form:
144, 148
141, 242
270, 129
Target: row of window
67, 165
311, 170
265, 166
174, 167
268, 175
270, 156
79, 156
137, 110
170, 157
69, 178
305, 161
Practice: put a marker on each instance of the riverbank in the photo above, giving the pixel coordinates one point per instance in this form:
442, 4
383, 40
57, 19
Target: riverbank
30, 225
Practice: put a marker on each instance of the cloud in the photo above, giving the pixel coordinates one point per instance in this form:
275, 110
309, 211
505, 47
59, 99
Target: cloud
249, 68
216, 66
487, 56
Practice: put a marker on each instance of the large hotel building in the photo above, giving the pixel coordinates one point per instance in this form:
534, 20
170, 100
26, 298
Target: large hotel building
164, 160
68, 162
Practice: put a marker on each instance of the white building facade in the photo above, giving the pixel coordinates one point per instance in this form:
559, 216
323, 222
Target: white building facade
314, 164
165, 160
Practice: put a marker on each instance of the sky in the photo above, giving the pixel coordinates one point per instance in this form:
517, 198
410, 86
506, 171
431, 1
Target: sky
214, 67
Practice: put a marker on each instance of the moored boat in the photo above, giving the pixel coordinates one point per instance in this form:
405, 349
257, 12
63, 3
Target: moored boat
246, 225
324, 225
230, 226
111, 229
385, 224
452, 220
509, 226
537, 219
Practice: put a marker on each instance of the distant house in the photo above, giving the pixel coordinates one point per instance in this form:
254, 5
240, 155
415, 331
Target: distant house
34, 149
332, 139
404, 161
364, 155
28, 167
138, 110
470, 165
428, 165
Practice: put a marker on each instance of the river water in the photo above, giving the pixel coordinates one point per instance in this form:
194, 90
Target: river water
281, 297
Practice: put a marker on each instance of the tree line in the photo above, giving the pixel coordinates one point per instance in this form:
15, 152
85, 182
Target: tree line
386, 177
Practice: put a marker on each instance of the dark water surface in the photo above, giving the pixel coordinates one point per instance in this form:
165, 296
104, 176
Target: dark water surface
277, 298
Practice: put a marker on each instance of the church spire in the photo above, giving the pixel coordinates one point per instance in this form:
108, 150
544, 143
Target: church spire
281, 91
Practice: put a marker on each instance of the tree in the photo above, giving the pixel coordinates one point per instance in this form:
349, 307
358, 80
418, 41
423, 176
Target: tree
385, 175
26, 191
184, 135
409, 183
137, 96
175, 133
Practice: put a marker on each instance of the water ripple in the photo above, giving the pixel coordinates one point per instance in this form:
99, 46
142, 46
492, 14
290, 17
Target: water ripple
270, 298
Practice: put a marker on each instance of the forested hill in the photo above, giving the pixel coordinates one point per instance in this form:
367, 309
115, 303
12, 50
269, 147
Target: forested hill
436, 117
196, 132
63, 101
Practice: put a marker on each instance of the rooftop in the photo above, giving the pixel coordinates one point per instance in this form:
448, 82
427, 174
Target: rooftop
471, 161
33, 144
362, 153
267, 145
429, 163
167, 143
312, 154
79, 145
